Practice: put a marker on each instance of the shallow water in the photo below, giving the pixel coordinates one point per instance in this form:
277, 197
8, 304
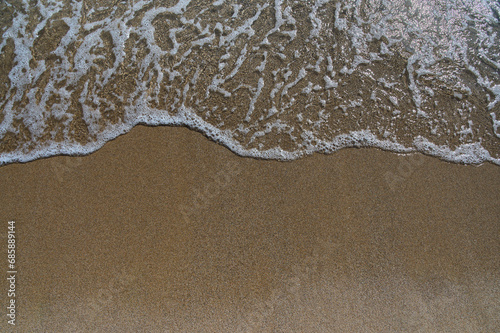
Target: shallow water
275, 80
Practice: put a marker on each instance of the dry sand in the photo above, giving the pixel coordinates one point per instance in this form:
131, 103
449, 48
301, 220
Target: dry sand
163, 230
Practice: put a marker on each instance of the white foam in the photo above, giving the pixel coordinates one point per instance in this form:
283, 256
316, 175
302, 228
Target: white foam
254, 99
496, 124
413, 38
246, 28
329, 83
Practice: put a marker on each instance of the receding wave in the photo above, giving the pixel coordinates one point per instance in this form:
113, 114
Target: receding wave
270, 79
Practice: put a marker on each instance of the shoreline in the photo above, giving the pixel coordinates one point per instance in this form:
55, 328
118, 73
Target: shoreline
431, 150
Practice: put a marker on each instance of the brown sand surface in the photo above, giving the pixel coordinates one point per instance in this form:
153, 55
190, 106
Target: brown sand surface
163, 230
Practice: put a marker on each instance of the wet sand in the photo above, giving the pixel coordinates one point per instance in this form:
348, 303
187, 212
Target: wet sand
163, 230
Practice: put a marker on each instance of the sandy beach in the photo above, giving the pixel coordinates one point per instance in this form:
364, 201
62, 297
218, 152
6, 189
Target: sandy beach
163, 230
168, 228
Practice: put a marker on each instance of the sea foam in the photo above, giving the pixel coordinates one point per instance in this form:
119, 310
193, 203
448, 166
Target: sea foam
267, 79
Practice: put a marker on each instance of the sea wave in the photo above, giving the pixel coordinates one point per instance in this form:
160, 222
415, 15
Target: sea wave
269, 79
